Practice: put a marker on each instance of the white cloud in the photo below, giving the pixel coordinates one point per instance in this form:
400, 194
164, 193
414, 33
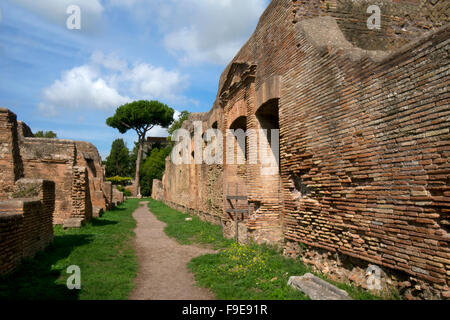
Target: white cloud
149, 81
107, 82
82, 87
55, 10
214, 30
201, 30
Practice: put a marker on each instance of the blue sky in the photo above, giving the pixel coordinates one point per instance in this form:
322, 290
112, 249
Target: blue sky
70, 81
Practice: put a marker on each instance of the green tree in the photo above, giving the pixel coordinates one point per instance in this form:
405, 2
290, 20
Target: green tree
141, 116
178, 123
118, 161
46, 134
153, 168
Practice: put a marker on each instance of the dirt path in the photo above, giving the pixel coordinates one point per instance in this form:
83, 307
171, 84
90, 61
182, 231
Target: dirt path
163, 272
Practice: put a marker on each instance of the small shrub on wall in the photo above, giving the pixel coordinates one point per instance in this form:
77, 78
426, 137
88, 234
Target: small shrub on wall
120, 181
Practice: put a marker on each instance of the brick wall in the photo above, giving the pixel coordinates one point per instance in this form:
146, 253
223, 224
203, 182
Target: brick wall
55, 159
26, 224
364, 138
402, 21
81, 199
11, 168
118, 197
51, 159
88, 156
158, 190
371, 156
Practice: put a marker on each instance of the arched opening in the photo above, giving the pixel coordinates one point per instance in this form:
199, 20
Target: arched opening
240, 123
268, 118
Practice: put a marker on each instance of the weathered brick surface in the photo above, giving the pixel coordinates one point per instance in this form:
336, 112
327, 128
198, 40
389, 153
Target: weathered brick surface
364, 149
54, 160
88, 156
11, 168
81, 199
157, 190
26, 224
22, 155
118, 197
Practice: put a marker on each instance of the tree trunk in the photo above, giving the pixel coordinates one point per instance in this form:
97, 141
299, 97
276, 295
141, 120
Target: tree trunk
137, 186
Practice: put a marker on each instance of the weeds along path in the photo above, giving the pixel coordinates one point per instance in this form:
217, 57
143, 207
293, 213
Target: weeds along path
163, 272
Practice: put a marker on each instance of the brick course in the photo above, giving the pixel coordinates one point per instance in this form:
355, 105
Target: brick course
364, 134
26, 224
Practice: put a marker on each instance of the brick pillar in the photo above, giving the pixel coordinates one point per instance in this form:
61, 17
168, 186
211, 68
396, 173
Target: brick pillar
11, 167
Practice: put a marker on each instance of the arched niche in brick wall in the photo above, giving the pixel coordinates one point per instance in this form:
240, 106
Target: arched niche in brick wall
240, 124
269, 121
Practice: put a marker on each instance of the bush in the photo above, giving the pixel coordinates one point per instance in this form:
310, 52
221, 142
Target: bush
122, 181
126, 192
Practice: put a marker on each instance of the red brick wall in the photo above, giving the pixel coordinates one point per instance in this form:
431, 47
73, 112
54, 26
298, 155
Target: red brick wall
26, 224
372, 146
10, 163
80, 194
51, 159
88, 156
364, 134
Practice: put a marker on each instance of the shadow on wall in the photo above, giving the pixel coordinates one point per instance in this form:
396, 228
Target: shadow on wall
36, 279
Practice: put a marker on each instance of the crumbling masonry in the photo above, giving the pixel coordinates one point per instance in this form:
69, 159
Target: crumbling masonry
364, 119
45, 182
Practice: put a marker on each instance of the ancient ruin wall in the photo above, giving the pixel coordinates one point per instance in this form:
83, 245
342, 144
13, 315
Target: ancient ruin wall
402, 21
56, 159
118, 197
368, 175
22, 155
80, 194
26, 223
88, 157
364, 134
158, 190
11, 168
51, 159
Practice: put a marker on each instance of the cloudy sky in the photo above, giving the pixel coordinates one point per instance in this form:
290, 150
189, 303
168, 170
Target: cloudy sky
70, 81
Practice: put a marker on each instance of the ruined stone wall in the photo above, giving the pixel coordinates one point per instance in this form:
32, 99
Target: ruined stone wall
80, 194
118, 197
88, 157
364, 135
197, 189
158, 190
11, 167
26, 223
22, 155
369, 174
54, 160
402, 21
31, 205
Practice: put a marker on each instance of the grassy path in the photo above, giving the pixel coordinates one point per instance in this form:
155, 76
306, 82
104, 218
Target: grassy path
103, 249
163, 272
251, 272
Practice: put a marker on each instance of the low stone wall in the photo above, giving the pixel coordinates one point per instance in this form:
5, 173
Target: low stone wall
108, 192
26, 225
158, 190
118, 197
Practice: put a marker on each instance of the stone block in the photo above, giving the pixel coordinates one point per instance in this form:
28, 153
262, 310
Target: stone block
317, 289
74, 223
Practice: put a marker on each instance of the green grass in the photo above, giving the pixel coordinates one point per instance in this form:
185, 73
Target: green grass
103, 249
239, 272
195, 231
